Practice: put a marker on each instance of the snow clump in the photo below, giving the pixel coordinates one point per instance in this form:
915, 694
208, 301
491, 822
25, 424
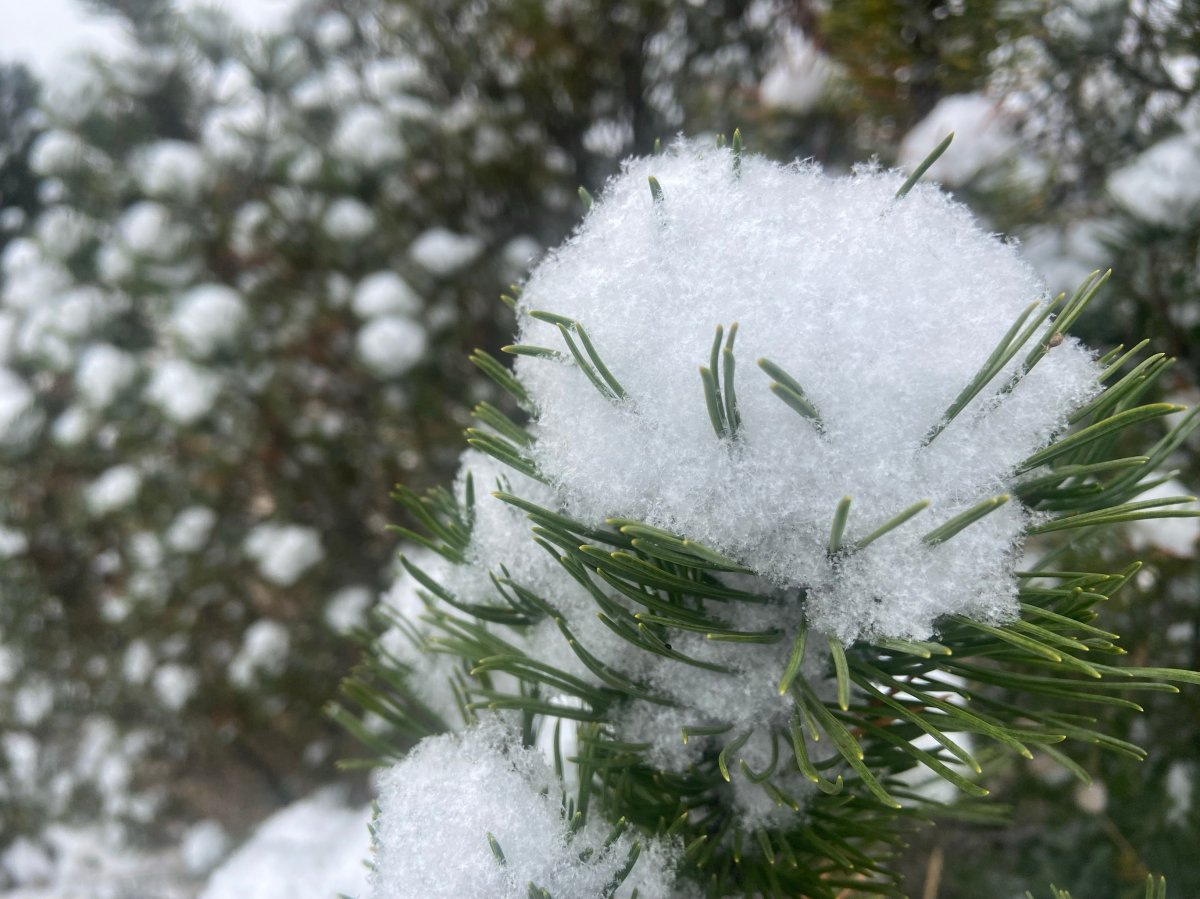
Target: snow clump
208, 318
882, 309
283, 552
438, 807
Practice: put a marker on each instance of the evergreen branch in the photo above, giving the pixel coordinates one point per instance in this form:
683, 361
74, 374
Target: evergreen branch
789, 390
964, 520
924, 165
1102, 429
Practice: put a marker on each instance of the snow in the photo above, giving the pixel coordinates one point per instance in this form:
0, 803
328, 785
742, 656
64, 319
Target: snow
263, 654
114, 489
208, 318
982, 137
190, 529
146, 229
90, 863
347, 609
852, 293
62, 232
313, 849
71, 427
799, 79
438, 806
19, 415
57, 152
103, 372
1162, 185
204, 844
184, 392
1172, 536
284, 552
333, 31
385, 293
12, 543
348, 219
443, 253
391, 345
171, 169
175, 684
1181, 778
366, 137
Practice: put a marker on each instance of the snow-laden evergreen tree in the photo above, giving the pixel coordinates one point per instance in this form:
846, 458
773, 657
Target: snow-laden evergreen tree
774, 535
245, 305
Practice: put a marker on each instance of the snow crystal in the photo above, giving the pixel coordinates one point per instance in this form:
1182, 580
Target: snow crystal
982, 137
438, 806
175, 685
347, 609
391, 345
385, 293
856, 295
1162, 185
798, 80
348, 219
116, 488
313, 849
283, 552
183, 391
103, 372
263, 653
170, 169
443, 253
207, 318
190, 529
1173, 536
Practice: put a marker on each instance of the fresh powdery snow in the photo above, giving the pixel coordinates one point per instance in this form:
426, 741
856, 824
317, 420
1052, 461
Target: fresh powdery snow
438, 807
882, 309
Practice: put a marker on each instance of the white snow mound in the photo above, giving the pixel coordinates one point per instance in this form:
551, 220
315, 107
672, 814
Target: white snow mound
882, 309
438, 806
